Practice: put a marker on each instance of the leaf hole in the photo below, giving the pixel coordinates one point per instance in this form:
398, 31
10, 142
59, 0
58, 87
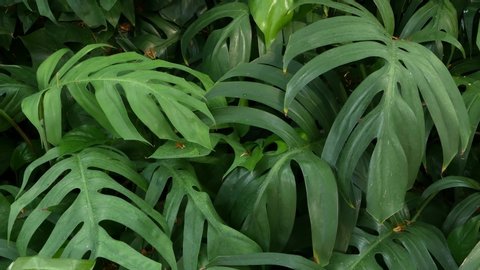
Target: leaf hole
402, 63
353, 250
462, 88
272, 147
381, 261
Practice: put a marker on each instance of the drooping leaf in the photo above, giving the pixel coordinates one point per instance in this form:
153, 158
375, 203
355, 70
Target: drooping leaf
103, 86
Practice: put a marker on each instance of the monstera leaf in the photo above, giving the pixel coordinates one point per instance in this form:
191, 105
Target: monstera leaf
386, 107
114, 88
186, 203
396, 246
226, 47
77, 190
264, 202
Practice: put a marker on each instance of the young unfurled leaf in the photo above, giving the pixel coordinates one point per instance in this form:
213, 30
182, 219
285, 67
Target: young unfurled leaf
271, 16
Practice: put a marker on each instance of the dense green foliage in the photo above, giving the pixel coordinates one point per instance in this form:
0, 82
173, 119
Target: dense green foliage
205, 134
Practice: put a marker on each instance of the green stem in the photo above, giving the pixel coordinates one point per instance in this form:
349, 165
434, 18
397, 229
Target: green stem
422, 207
18, 129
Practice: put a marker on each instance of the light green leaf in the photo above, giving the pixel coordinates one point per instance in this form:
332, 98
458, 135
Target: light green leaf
271, 16
106, 86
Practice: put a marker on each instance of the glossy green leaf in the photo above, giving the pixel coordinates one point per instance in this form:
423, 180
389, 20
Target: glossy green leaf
407, 69
51, 264
271, 16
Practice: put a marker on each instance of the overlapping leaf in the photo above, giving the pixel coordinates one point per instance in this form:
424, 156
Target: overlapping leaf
197, 215
396, 246
226, 47
435, 21
78, 230
263, 203
410, 75
316, 104
107, 87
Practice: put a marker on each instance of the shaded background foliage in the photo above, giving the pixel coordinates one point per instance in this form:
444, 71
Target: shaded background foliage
188, 134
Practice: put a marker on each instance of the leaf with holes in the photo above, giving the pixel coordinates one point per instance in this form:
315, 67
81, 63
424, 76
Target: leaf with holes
107, 86
407, 74
78, 231
187, 206
226, 47
396, 246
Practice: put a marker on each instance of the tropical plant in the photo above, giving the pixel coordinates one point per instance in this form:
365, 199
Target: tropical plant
195, 134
